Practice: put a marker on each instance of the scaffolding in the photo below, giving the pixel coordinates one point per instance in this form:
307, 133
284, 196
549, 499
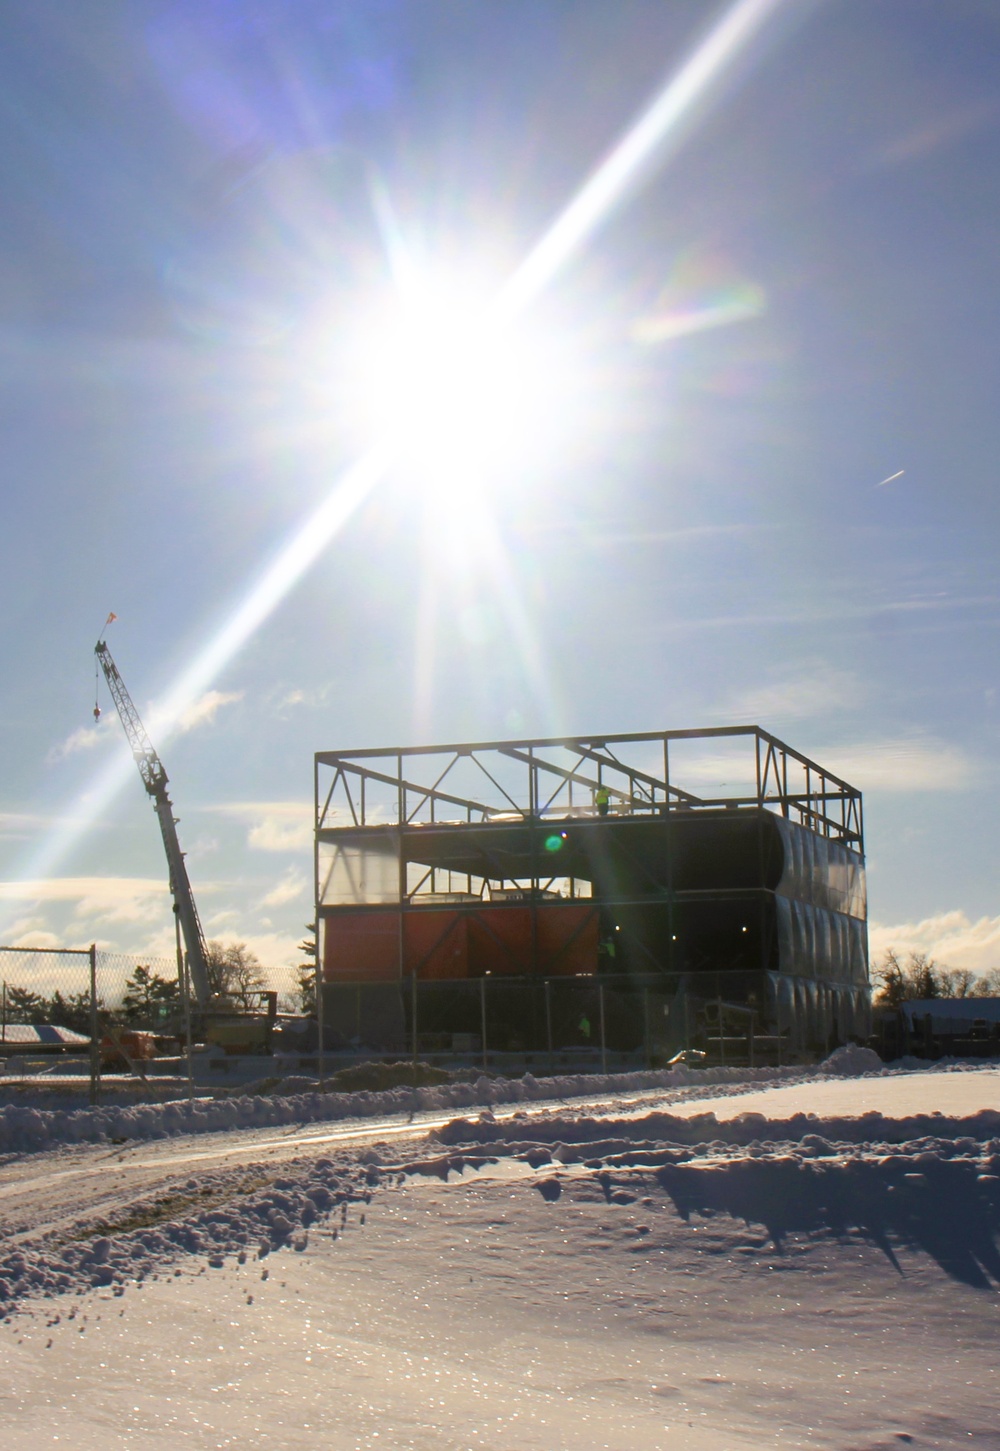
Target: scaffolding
658, 857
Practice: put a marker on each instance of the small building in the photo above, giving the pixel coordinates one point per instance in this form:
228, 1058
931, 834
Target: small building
34, 1037
513, 892
940, 1028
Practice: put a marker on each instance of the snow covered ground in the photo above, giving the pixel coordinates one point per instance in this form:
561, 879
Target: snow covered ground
33, 1122
695, 1267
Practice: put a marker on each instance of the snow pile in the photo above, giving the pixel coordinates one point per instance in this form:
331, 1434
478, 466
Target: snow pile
852, 1061
890, 1179
609, 1135
246, 1226
27, 1130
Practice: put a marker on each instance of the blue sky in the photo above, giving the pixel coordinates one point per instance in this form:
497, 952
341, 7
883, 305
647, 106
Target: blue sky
201, 202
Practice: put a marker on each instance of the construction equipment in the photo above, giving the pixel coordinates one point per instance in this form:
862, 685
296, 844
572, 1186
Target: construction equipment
219, 1021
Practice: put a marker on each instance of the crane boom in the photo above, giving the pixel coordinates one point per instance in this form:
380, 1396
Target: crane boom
154, 778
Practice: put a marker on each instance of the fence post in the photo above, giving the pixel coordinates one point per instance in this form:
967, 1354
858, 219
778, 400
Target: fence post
320, 1064
413, 1021
604, 1050
647, 1044
722, 1041
3, 1034
95, 1047
482, 1016
548, 1020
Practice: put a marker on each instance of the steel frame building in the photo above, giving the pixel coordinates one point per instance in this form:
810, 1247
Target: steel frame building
614, 857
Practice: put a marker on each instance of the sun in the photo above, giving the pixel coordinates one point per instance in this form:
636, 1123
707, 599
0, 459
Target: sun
450, 387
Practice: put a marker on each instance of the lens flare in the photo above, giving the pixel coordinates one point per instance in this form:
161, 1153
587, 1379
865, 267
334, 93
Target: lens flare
461, 396
278, 578
444, 374
645, 146
442, 384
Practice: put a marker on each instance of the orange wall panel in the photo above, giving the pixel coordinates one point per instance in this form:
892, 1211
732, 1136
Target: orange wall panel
437, 944
454, 944
567, 940
361, 947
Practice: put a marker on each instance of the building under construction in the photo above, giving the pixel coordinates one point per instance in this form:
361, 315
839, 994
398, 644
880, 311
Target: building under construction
630, 894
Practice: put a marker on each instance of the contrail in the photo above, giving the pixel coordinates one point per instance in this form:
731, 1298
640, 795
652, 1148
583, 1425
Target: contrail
890, 478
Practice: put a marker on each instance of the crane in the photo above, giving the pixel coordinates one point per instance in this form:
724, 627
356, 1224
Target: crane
154, 778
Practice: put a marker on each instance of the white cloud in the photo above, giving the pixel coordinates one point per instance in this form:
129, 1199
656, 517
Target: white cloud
910, 763
20, 825
204, 710
138, 906
291, 886
33, 937
68, 909
274, 825
84, 738
284, 699
906, 763
99, 900
106, 891
273, 834
222, 919
814, 693
951, 938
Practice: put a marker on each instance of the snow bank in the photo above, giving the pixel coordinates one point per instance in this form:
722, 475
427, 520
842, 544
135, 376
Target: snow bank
28, 1130
245, 1226
896, 1179
607, 1135
804, 1174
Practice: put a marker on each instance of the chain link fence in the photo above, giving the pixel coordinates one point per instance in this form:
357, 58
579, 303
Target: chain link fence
75, 1015
83, 1015
50, 1008
549, 1024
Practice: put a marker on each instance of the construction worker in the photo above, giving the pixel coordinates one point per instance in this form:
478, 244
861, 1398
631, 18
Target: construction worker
602, 800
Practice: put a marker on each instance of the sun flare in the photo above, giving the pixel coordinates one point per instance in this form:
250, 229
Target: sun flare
451, 389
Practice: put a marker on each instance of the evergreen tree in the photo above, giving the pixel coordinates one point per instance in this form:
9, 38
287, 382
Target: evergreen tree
25, 1006
149, 997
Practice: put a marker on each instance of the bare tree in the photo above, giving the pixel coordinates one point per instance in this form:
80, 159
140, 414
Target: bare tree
956, 982
889, 981
988, 986
234, 972
920, 978
922, 972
